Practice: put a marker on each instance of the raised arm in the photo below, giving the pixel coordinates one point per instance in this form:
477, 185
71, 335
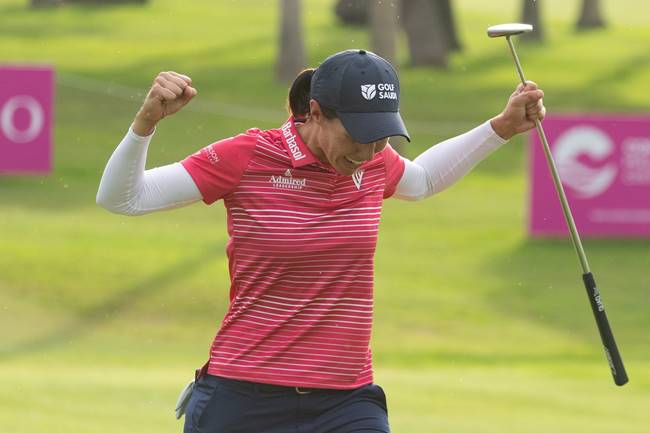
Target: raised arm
126, 187
444, 164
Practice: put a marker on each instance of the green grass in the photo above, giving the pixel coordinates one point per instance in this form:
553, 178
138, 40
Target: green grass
478, 328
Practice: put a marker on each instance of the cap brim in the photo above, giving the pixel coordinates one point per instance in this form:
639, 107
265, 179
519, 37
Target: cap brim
369, 127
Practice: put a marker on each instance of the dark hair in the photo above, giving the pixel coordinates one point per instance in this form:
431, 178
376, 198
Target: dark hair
299, 97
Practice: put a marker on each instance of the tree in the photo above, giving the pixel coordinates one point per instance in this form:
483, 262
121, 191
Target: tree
449, 22
531, 15
590, 16
383, 28
425, 32
291, 52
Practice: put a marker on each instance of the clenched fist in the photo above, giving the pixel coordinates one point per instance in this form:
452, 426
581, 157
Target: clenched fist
524, 106
169, 93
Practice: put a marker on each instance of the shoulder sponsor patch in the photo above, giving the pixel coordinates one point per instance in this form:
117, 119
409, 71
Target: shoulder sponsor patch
211, 155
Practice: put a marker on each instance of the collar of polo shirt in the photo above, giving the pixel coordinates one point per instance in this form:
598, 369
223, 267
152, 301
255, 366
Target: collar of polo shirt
300, 154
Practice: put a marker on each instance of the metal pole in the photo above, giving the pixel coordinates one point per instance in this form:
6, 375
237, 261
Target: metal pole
556, 178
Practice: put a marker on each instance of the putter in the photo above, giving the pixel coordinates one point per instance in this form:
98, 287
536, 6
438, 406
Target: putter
606, 335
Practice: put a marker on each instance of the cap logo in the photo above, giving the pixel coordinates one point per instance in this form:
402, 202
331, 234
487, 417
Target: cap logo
368, 91
386, 91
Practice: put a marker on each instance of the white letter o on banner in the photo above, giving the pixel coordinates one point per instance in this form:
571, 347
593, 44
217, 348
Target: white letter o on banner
36, 119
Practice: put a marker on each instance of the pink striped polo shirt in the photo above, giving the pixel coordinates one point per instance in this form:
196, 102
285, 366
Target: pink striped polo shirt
301, 248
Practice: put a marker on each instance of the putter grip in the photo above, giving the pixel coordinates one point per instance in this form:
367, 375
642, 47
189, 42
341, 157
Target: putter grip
606, 335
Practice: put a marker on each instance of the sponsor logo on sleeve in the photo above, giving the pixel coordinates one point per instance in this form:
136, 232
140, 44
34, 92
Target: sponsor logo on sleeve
211, 155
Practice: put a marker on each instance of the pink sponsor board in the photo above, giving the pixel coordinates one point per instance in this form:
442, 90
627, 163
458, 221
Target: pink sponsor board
604, 164
26, 96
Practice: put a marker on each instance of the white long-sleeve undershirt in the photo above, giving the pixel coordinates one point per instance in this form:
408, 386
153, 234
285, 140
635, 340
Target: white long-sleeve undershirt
444, 164
127, 188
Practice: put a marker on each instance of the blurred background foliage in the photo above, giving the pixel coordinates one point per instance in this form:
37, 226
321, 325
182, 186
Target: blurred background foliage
478, 328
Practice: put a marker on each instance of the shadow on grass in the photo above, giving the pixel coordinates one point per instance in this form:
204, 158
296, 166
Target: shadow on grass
598, 93
91, 318
541, 281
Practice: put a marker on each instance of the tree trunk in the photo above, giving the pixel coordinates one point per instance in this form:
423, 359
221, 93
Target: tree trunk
383, 28
291, 52
531, 15
590, 16
353, 12
449, 22
424, 29
45, 3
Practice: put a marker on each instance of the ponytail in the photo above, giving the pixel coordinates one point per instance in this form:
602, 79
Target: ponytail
299, 97
299, 94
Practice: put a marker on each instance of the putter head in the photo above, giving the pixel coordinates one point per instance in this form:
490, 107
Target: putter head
510, 29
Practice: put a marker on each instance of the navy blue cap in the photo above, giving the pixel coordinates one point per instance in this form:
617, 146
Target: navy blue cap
363, 89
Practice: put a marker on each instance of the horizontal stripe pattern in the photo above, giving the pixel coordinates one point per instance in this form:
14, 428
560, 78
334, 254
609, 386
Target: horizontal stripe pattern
301, 262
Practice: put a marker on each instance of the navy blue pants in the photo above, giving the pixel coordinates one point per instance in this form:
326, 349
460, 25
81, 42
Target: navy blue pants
220, 405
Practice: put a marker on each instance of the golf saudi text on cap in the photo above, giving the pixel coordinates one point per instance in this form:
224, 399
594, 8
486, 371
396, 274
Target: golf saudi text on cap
363, 89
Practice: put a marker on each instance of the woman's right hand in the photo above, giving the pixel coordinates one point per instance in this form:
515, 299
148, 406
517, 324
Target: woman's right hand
169, 93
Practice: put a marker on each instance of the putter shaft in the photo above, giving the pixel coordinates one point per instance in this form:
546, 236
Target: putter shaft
556, 177
607, 337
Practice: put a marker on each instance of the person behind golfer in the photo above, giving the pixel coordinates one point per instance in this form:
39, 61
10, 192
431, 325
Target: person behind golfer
303, 206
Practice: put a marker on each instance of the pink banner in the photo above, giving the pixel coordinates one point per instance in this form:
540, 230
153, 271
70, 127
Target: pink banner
26, 97
604, 164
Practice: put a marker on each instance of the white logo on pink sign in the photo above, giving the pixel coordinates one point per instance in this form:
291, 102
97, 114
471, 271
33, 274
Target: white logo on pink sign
25, 119
591, 143
604, 164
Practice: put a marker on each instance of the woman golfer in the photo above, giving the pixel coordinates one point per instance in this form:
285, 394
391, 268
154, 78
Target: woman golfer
303, 204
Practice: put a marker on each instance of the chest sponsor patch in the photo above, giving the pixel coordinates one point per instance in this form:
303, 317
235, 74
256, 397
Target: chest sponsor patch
287, 181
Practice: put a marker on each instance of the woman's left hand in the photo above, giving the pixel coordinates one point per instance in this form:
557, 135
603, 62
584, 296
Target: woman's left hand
524, 106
